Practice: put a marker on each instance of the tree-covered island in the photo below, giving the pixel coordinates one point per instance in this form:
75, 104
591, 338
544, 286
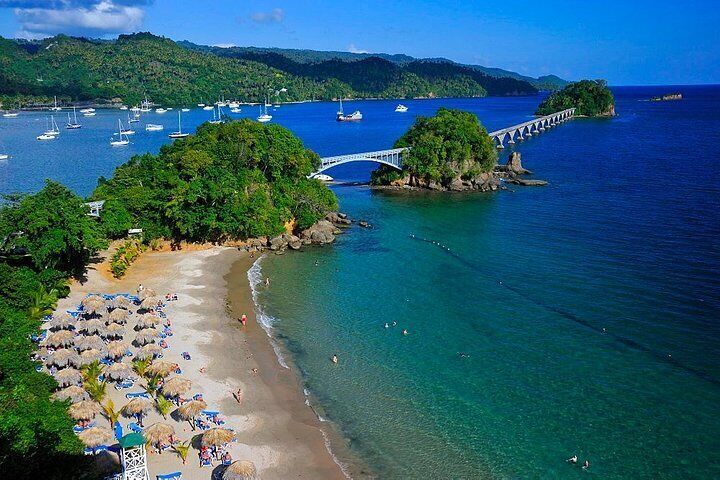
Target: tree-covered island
590, 98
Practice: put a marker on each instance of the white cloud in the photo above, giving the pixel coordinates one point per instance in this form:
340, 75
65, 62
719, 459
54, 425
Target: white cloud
77, 17
225, 45
353, 49
276, 15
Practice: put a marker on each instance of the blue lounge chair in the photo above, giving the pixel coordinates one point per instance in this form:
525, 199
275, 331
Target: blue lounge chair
170, 476
206, 463
136, 395
124, 384
134, 427
118, 430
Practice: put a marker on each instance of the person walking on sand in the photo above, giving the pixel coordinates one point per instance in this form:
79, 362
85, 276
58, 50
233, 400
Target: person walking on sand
238, 395
267, 281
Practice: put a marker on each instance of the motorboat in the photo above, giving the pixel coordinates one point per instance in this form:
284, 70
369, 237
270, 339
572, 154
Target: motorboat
153, 127
87, 110
123, 107
4, 156
353, 117
89, 114
235, 110
185, 109
45, 136
322, 177
401, 108
10, 115
160, 110
208, 107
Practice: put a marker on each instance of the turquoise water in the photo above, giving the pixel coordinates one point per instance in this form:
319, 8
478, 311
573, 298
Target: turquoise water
587, 311
625, 239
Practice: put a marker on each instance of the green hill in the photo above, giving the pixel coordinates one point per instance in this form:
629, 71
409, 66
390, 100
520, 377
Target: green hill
591, 98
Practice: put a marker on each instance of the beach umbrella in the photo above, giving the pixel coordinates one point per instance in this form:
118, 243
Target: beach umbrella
148, 351
137, 406
95, 436
191, 409
63, 338
72, 393
161, 368
84, 410
93, 326
62, 358
92, 299
113, 330
89, 356
117, 349
146, 335
158, 433
146, 293
42, 353
121, 302
68, 376
87, 343
176, 386
216, 437
147, 320
118, 316
118, 371
240, 470
149, 303
64, 321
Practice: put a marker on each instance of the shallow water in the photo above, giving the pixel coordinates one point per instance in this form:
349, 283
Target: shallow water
588, 310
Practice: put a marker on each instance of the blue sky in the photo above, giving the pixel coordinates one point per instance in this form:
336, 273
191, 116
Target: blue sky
627, 42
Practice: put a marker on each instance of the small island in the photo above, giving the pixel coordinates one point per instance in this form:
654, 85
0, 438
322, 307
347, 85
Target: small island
590, 98
667, 97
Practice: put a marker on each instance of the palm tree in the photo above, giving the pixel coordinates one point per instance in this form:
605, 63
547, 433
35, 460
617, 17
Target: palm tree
163, 405
43, 303
92, 370
141, 366
182, 449
153, 384
110, 413
95, 389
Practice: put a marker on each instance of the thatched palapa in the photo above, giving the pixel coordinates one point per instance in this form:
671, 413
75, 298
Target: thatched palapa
118, 316
191, 409
217, 437
240, 470
121, 302
89, 342
176, 386
147, 320
150, 303
117, 349
84, 410
148, 351
89, 356
159, 433
118, 371
161, 368
137, 406
113, 330
146, 293
72, 393
68, 376
62, 338
146, 335
62, 358
64, 321
95, 436
93, 326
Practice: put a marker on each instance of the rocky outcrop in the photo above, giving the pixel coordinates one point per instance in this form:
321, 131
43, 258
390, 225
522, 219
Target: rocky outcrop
321, 233
527, 183
483, 182
512, 171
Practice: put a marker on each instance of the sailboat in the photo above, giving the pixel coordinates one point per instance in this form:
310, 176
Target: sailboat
133, 119
55, 108
179, 133
122, 141
125, 132
353, 117
51, 133
53, 128
73, 124
264, 117
218, 118
145, 105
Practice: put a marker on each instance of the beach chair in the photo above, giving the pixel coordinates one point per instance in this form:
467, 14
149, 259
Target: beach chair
100, 449
207, 462
134, 427
170, 476
124, 384
137, 395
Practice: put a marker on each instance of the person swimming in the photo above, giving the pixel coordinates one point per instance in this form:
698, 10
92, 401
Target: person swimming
386, 325
334, 359
572, 459
405, 332
394, 324
586, 465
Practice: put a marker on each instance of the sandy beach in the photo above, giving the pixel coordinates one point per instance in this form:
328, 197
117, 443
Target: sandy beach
275, 429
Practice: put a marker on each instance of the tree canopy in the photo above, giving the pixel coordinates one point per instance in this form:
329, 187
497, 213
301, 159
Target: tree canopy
236, 180
591, 98
449, 144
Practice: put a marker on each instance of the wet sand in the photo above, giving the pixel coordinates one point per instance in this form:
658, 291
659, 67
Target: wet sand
275, 428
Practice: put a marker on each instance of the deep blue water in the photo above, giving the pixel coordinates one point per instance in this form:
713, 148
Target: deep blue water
588, 310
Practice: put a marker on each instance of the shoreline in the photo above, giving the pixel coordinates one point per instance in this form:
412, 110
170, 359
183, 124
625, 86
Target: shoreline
275, 428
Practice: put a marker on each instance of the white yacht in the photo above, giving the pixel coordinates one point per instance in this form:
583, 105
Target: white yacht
264, 117
185, 109
123, 140
235, 110
323, 178
153, 127
53, 128
200, 104
72, 124
87, 110
4, 156
133, 119
179, 133
208, 107
89, 114
10, 114
145, 105
45, 136
55, 108
401, 108
160, 110
233, 104
123, 107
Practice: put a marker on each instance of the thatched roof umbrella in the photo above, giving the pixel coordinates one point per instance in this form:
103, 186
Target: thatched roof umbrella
147, 320
117, 316
137, 406
158, 433
217, 437
86, 343
62, 358
90, 299
113, 330
84, 410
149, 303
176, 386
64, 321
118, 371
117, 349
240, 470
42, 352
72, 393
93, 326
161, 368
121, 302
191, 409
94, 305
89, 356
148, 351
63, 338
68, 376
96, 436
146, 335
146, 293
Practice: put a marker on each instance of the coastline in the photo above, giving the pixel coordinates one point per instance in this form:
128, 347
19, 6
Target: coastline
276, 430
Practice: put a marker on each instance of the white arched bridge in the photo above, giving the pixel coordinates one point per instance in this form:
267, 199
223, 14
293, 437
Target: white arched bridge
393, 157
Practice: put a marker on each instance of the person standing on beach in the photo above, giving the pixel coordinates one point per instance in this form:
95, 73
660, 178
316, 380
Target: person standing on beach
243, 319
267, 281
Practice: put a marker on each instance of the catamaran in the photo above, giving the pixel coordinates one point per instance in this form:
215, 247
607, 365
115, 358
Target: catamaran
122, 141
73, 124
55, 108
179, 133
264, 117
353, 117
401, 108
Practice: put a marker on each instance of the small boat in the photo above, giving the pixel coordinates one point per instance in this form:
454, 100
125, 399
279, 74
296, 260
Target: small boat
133, 119
169, 108
135, 109
200, 105
10, 115
324, 178
233, 104
124, 107
53, 128
179, 133
45, 136
185, 109
401, 108
216, 119
264, 117
73, 124
89, 114
160, 110
153, 127
128, 132
353, 117
87, 110
122, 141
235, 110
145, 105
4, 156
208, 107
55, 108
277, 105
